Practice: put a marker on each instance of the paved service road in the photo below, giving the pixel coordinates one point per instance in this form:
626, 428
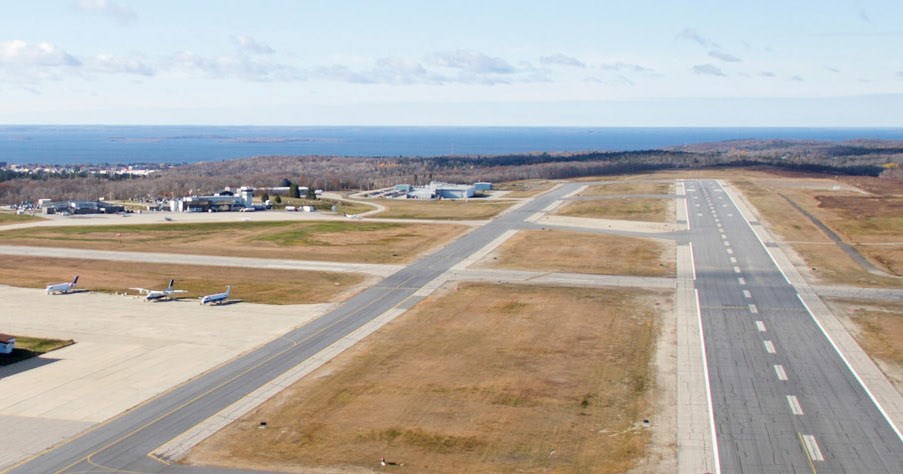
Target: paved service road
782, 398
123, 443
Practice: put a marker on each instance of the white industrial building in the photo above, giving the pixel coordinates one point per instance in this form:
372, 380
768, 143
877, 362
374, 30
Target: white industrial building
438, 190
222, 201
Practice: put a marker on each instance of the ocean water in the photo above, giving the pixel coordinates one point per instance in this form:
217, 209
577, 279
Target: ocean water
47, 144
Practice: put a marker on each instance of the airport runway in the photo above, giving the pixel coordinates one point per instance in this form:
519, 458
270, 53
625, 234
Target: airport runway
783, 399
123, 443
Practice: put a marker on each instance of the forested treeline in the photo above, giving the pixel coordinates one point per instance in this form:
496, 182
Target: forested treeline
346, 173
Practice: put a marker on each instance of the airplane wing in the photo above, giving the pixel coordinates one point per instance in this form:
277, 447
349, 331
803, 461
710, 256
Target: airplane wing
141, 290
179, 291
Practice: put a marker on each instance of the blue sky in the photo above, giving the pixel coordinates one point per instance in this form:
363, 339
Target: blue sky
394, 62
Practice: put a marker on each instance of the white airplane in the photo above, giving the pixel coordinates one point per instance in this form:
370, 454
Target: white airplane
353, 216
159, 294
216, 298
62, 287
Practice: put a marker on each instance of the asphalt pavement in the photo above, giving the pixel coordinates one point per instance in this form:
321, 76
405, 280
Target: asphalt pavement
783, 399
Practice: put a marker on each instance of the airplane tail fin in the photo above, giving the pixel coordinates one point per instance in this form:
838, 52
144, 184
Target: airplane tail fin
228, 290
75, 280
171, 284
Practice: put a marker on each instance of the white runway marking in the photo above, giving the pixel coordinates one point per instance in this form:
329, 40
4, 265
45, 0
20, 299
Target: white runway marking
733, 259
812, 448
741, 280
724, 236
769, 347
760, 326
795, 407
747, 294
730, 251
736, 269
727, 244
753, 309
779, 371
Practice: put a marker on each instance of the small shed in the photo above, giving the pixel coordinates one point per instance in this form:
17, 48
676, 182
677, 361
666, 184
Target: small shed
7, 343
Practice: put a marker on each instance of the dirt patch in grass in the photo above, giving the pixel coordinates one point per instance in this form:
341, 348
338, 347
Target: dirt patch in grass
863, 218
631, 209
444, 209
254, 285
481, 379
878, 328
580, 252
860, 220
28, 347
9, 218
629, 187
524, 189
336, 241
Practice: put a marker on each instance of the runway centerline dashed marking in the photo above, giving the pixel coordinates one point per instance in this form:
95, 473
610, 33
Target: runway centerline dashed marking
780, 372
753, 309
730, 251
737, 269
741, 280
795, 406
727, 244
760, 326
812, 449
747, 294
733, 259
769, 347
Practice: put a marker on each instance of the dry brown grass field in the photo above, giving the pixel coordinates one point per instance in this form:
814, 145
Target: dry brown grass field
578, 252
483, 378
628, 187
631, 209
524, 189
445, 209
878, 328
254, 285
337, 241
871, 223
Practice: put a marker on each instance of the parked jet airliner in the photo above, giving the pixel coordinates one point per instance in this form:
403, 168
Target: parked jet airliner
216, 298
159, 294
62, 287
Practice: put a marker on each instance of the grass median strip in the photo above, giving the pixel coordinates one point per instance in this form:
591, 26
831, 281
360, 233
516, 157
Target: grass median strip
337, 241
253, 285
482, 378
578, 252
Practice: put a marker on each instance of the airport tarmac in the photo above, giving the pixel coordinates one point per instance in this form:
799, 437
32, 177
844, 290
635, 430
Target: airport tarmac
126, 351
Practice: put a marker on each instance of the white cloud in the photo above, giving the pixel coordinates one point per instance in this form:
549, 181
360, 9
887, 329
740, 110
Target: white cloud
708, 70
23, 53
107, 63
767, 74
691, 34
621, 66
560, 59
248, 45
728, 58
114, 10
471, 61
241, 67
797, 79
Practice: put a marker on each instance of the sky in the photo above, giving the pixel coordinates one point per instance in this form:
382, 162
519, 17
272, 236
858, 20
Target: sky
795, 63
